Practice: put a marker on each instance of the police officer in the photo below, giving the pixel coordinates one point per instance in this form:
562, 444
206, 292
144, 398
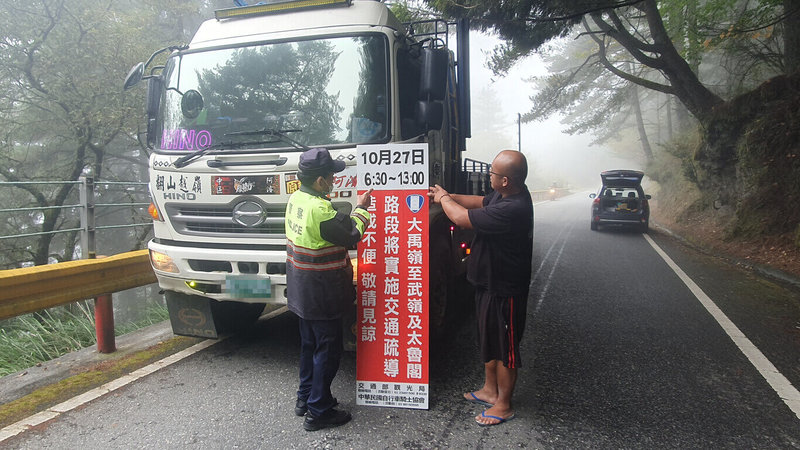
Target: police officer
320, 282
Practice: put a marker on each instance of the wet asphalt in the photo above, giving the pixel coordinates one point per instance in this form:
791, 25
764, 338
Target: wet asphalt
618, 353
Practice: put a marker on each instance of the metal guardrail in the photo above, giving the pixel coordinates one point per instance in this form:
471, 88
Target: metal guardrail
545, 194
87, 206
32, 289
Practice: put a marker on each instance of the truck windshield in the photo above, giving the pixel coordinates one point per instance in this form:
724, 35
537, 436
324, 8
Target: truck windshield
317, 92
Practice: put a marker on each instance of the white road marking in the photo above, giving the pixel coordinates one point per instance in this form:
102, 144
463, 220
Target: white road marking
547, 255
779, 383
546, 286
54, 411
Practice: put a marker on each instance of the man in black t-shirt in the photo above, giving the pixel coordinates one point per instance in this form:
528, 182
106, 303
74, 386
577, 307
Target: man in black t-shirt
499, 268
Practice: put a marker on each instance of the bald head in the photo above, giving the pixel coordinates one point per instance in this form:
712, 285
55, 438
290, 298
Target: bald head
513, 165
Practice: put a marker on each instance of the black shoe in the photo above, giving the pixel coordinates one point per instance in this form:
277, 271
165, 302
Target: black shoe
300, 407
331, 418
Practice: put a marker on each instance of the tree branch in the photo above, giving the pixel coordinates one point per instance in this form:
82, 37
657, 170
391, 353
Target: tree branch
579, 14
558, 89
628, 37
601, 45
626, 40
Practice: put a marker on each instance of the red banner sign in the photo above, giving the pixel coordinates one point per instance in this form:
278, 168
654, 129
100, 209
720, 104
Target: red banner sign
393, 334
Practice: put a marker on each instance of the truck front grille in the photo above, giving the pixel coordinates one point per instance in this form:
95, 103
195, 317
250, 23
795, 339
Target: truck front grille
217, 220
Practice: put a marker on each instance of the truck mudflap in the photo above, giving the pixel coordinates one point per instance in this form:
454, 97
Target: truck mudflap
198, 316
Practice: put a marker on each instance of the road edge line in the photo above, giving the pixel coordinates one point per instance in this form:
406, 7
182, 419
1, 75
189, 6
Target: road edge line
81, 399
777, 381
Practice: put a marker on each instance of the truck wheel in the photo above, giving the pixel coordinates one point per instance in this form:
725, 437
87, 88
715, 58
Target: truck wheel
593, 226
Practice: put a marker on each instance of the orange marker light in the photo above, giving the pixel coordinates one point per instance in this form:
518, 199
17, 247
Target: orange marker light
153, 211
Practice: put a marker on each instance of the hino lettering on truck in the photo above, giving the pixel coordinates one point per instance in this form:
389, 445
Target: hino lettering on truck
185, 140
179, 196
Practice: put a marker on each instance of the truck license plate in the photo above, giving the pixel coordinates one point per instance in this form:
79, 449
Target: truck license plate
243, 286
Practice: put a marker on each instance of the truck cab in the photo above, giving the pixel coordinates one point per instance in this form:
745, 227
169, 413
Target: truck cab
229, 114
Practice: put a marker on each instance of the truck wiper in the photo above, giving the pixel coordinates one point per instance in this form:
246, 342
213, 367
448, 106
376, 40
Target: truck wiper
186, 159
280, 134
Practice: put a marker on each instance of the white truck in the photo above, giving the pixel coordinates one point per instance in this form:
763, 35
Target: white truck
229, 114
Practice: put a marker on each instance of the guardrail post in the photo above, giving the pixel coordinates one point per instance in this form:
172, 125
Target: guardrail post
103, 305
104, 323
87, 217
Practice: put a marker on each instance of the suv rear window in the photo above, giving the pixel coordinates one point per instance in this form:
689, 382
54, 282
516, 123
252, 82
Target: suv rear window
620, 192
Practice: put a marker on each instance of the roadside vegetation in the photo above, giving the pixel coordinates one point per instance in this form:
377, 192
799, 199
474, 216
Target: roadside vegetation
32, 339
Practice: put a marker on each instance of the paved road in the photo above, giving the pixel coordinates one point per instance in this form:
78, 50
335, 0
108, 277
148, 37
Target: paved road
619, 353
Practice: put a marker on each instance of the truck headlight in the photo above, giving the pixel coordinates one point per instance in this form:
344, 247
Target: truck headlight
162, 262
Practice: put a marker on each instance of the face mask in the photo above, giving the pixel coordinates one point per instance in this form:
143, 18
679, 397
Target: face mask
328, 187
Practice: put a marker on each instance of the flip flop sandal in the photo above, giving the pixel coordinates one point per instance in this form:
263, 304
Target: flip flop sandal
478, 401
489, 416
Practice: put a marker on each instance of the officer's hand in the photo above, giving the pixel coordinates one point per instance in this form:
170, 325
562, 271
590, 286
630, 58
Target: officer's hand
364, 200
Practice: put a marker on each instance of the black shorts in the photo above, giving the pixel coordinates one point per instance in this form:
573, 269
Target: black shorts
501, 322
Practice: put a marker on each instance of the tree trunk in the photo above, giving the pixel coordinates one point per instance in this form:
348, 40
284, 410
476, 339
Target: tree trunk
661, 55
670, 126
637, 111
698, 99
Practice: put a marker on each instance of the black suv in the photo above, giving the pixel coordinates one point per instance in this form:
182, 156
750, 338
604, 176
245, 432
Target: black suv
621, 200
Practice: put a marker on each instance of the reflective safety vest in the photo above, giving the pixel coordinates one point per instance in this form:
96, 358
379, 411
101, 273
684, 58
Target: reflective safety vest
318, 272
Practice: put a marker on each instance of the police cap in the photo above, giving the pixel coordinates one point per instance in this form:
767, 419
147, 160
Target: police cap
317, 161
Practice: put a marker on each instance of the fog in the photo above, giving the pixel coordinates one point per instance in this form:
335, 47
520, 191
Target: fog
553, 156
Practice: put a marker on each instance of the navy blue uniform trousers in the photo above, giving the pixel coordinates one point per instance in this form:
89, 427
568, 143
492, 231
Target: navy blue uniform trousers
320, 353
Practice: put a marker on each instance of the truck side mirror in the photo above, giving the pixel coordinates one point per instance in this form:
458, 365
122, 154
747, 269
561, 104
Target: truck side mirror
153, 95
151, 132
153, 100
430, 115
433, 77
191, 104
134, 76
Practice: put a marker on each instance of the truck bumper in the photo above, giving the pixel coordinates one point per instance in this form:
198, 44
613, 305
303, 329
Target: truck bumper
204, 272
